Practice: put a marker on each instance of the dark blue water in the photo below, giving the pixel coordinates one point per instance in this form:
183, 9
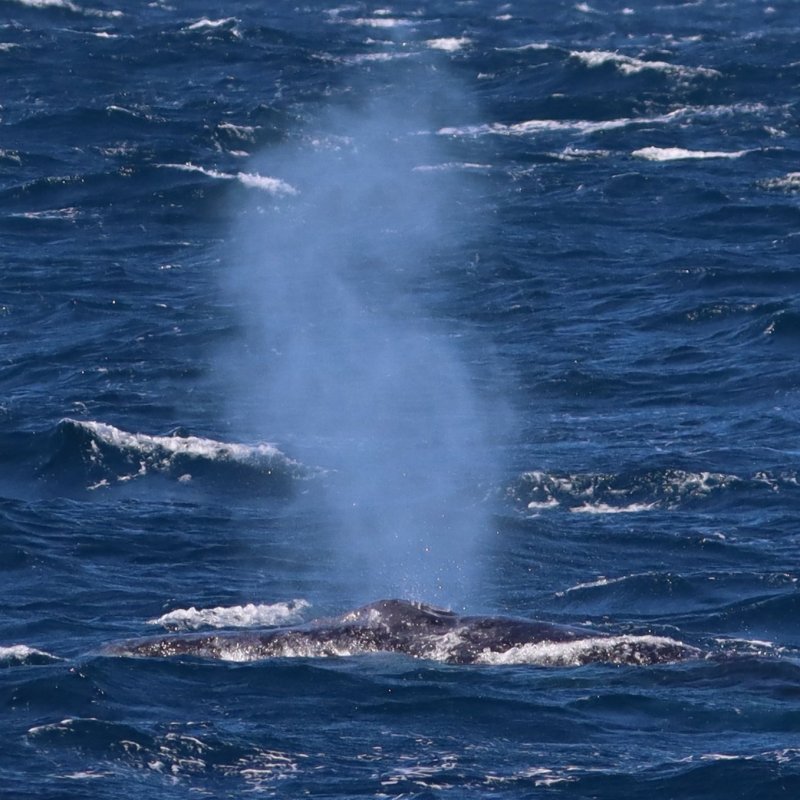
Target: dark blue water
492, 306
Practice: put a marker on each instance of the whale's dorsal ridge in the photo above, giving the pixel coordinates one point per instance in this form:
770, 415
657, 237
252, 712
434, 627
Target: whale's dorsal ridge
392, 614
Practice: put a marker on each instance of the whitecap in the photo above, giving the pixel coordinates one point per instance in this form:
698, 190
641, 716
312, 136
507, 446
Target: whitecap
605, 508
274, 186
680, 153
183, 445
450, 166
84, 775
787, 183
144, 454
17, 654
448, 44
211, 23
523, 47
557, 125
632, 66
243, 132
68, 5
379, 22
247, 616
68, 214
380, 57
601, 581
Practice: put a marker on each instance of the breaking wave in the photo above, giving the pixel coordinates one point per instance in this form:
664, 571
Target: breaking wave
23, 655
96, 455
250, 180
637, 491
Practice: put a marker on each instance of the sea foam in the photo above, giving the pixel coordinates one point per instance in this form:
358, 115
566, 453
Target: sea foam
251, 180
247, 616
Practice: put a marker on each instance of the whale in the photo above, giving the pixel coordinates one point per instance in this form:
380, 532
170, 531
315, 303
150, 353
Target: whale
420, 631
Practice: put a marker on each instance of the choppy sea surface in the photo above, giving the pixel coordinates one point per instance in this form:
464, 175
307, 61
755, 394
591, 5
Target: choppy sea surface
487, 306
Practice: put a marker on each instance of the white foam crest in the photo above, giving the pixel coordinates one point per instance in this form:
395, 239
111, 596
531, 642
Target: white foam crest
450, 166
596, 490
212, 23
68, 5
68, 214
557, 125
523, 47
788, 183
602, 581
587, 127
580, 154
179, 445
449, 44
244, 132
421, 774
605, 508
680, 153
365, 58
538, 505
65, 725
86, 775
247, 616
379, 22
610, 649
21, 653
251, 180
632, 66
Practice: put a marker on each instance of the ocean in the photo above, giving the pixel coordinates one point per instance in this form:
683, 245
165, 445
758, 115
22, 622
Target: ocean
400, 401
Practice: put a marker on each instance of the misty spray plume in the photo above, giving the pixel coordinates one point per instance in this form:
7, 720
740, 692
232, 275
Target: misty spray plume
345, 359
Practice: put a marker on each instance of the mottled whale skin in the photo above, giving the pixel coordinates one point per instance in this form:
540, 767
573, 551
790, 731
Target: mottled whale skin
420, 631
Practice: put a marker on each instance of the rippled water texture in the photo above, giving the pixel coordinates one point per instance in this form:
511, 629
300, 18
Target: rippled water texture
489, 307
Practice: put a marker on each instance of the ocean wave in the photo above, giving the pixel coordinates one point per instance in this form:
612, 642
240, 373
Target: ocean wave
606, 508
377, 22
787, 183
453, 166
181, 753
656, 594
633, 66
680, 153
638, 491
98, 455
379, 57
68, 5
250, 615
22, 655
205, 23
274, 186
683, 114
449, 44
580, 126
